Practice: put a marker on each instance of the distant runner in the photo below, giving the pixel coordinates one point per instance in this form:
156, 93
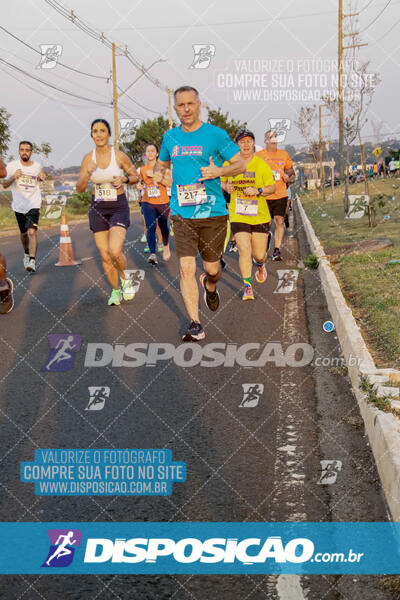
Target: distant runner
198, 208
155, 204
282, 167
23, 176
109, 170
248, 211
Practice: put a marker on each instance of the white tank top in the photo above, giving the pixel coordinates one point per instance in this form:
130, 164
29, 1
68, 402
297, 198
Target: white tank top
106, 175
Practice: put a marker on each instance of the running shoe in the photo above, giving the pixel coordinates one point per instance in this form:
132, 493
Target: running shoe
143, 239
261, 273
115, 298
128, 293
160, 248
210, 298
248, 293
233, 247
31, 265
194, 333
26, 260
152, 259
286, 220
147, 249
277, 254
6, 297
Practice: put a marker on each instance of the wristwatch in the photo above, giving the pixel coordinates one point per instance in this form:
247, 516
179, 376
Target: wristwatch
127, 179
260, 191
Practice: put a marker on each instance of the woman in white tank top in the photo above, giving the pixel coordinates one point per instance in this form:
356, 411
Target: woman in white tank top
108, 170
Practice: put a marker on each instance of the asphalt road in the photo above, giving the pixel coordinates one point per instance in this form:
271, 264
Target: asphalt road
244, 462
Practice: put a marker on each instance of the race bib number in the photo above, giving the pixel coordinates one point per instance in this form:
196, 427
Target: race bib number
277, 175
153, 191
192, 194
246, 206
104, 192
27, 182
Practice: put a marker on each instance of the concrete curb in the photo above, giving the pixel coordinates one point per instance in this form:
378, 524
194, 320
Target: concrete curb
383, 429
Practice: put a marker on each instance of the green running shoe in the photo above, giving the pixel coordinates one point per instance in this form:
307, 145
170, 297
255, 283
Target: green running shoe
115, 298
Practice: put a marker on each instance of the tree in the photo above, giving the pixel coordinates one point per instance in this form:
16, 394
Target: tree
307, 125
4, 130
291, 150
218, 118
152, 130
44, 150
357, 99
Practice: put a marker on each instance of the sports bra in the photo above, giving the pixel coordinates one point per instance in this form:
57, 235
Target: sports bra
106, 175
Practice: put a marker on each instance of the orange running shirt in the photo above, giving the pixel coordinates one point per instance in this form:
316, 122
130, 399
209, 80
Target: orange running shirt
278, 161
153, 194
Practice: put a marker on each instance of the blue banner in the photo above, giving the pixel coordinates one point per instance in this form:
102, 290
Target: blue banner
200, 548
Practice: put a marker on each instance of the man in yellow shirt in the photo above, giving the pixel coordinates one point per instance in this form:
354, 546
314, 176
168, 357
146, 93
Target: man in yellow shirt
248, 210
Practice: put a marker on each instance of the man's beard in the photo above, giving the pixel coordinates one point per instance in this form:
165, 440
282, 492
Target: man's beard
25, 159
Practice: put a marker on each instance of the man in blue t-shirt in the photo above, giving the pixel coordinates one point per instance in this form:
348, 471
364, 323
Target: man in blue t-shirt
196, 151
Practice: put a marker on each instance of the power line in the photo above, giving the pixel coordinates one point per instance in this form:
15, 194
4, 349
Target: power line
385, 34
54, 99
100, 37
58, 62
123, 110
365, 7
377, 17
156, 112
54, 87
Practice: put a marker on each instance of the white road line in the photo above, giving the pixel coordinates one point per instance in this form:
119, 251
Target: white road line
289, 588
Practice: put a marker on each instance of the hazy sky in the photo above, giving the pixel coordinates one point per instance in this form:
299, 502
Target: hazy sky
257, 48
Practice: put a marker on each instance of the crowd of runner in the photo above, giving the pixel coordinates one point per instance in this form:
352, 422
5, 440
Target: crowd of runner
205, 186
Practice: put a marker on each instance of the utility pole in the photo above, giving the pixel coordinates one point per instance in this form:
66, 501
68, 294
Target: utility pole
321, 165
169, 109
340, 90
340, 80
115, 99
116, 95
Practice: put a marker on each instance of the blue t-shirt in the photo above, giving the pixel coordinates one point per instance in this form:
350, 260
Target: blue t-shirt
188, 151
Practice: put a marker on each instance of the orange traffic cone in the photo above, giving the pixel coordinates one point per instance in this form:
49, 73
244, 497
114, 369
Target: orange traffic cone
66, 254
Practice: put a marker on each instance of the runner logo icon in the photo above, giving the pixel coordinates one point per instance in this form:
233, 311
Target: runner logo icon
281, 127
127, 129
287, 281
50, 55
203, 54
98, 396
62, 547
251, 396
330, 470
62, 351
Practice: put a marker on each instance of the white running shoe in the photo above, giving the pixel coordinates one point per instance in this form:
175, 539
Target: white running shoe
152, 259
31, 265
26, 260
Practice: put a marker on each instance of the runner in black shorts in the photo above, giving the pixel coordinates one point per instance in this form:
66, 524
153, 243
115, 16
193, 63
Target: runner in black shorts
248, 211
109, 170
24, 176
282, 168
